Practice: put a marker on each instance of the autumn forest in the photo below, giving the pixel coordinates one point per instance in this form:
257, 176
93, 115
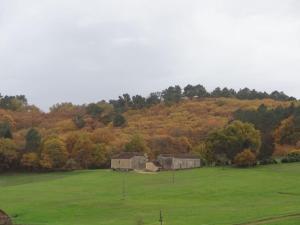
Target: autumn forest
223, 127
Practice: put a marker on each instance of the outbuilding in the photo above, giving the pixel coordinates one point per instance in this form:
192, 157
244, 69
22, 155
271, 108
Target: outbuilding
129, 161
178, 161
153, 166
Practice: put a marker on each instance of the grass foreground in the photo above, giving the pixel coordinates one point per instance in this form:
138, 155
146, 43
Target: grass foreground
207, 196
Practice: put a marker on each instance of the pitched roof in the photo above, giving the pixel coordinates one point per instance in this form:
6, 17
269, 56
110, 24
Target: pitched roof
181, 156
127, 155
156, 163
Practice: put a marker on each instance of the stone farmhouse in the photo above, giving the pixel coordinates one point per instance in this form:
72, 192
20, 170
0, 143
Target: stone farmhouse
138, 161
129, 161
178, 161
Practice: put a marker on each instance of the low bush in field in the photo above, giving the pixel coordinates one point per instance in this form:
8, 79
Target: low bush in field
268, 161
293, 156
245, 159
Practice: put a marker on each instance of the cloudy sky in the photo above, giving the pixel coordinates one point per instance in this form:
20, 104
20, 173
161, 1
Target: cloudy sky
86, 50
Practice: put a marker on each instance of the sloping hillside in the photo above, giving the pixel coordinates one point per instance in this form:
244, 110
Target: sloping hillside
86, 136
192, 119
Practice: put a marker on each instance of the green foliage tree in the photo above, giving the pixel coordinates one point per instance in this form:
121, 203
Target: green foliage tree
246, 93
171, 95
106, 119
267, 146
122, 104
205, 153
8, 154
33, 140
138, 102
14, 103
119, 120
188, 91
280, 96
265, 120
228, 93
153, 99
217, 92
136, 144
63, 107
233, 139
54, 154
5, 130
191, 91
100, 158
94, 110
225, 93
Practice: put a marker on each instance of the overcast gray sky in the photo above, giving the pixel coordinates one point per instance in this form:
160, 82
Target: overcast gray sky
86, 50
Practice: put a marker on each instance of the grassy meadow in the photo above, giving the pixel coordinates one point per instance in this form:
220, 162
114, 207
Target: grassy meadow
206, 196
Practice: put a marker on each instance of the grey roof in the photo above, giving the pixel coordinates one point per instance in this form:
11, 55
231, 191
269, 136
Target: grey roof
127, 155
181, 156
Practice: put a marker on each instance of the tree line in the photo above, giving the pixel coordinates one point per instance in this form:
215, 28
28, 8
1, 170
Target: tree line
252, 135
76, 151
14, 103
170, 95
249, 137
174, 94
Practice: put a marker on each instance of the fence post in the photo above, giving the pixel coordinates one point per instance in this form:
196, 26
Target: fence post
160, 218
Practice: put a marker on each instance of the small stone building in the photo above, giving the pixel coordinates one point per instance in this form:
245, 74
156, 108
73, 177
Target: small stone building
153, 166
178, 161
4, 218
129, 161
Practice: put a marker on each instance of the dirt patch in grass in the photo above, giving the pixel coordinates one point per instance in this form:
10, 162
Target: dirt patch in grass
144, 172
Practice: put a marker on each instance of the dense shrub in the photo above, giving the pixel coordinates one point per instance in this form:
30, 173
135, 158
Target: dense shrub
8, 154
33, 140
233, 139
30, 161
5, 130
293, 156
245, 159
136, 144
54, 154
267, 161
119, 120
206, 155
71, 164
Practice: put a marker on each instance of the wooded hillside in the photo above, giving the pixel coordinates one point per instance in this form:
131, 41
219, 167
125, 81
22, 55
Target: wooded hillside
171, 121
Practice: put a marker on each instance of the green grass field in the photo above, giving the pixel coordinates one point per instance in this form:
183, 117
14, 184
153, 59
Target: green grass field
206, 196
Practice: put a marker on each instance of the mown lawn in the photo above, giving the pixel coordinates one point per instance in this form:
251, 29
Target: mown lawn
207, 196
